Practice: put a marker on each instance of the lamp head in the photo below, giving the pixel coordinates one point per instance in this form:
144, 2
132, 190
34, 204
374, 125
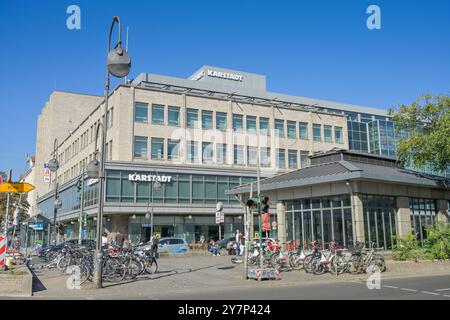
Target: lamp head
118, 62
93, 169
53, 165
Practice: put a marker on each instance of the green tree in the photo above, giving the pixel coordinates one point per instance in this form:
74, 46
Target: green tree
15, 198
427, 124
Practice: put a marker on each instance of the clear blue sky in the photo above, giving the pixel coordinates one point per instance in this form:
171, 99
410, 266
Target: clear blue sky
318, 49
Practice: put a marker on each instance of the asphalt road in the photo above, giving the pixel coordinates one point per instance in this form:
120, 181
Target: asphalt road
410, 288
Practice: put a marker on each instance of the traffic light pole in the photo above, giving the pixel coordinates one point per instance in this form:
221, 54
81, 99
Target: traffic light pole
80, 218
261, 258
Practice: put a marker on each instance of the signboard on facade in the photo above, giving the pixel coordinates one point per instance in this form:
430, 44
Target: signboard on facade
91, 182
47, 173
218, 214
225, 75
149, 177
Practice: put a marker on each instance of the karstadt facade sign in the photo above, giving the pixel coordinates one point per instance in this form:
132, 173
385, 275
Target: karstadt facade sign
149, 177
225, 75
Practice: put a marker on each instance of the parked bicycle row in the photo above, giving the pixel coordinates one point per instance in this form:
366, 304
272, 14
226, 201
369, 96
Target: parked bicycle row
117, 263
316, 259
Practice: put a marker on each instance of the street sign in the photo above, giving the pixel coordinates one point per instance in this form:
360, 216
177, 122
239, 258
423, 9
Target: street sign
274, 225
218, 217
47, 174
222, 217
15, 187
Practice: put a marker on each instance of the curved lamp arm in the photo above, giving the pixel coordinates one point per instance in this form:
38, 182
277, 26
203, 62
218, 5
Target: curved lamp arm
119, 41
96, 138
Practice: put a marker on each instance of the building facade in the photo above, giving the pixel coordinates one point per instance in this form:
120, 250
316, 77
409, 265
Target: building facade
175, 145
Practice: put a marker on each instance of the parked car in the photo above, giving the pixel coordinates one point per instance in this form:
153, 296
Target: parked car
85, 242
223, 244
171, 244
167, 244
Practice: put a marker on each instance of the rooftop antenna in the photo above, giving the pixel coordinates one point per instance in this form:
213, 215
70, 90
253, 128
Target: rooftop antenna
126, 48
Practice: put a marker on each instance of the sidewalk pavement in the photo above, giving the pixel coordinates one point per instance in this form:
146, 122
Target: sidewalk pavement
188, 274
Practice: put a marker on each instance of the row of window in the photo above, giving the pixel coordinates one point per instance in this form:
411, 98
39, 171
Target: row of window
192, 121
218, 154
85, 139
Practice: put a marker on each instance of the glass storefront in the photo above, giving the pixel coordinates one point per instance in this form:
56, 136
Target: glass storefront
183, 188
379, 220
323, 219
190, 228
423, 215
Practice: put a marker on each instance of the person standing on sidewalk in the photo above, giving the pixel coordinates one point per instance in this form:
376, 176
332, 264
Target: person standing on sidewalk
119, 239
237, 240
154, 245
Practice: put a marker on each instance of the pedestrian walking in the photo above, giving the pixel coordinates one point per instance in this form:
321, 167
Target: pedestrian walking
154, 241
237, 240
119, 239
242, 244
104, 239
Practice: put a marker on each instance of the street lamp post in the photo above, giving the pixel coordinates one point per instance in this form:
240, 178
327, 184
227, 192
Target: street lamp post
118, 63
53, 165
155, 186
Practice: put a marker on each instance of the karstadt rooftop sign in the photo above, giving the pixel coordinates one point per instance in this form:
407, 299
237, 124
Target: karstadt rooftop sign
218, 74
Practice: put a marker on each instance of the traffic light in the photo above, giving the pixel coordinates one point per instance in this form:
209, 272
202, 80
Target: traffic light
256, 203
79, 184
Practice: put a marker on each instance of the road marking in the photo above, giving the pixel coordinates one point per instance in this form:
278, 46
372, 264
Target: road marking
406, 289
446, 289
391, 287
433, 293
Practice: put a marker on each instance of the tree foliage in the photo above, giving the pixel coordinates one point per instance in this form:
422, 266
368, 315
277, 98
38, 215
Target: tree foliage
427, 124
15, 199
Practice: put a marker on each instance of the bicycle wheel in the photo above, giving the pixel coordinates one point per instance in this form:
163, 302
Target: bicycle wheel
133, 268
274, 261
295, 261
63, 263
376, 264
151, 266
115, 271
308, 263
85, 274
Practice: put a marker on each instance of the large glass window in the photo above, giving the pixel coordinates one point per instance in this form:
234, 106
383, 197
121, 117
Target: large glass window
279, 128
239, 155
192, 118
173, 149
157, 114
207, 152
174, 116
140, 147
379, 220
317, 132
221, 121
281, 158
303, 130
192, 151
292, 159
251, 124
304, 159
238, 122
423, 213
264, 126
327, 133
140, 112
207, 119
252, 156
221, 153
338, 134
265, 157
157, 148
329, 221
292, 129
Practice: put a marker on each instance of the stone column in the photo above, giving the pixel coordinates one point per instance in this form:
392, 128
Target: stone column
403, 217
442, 213
358, 218
281, 221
